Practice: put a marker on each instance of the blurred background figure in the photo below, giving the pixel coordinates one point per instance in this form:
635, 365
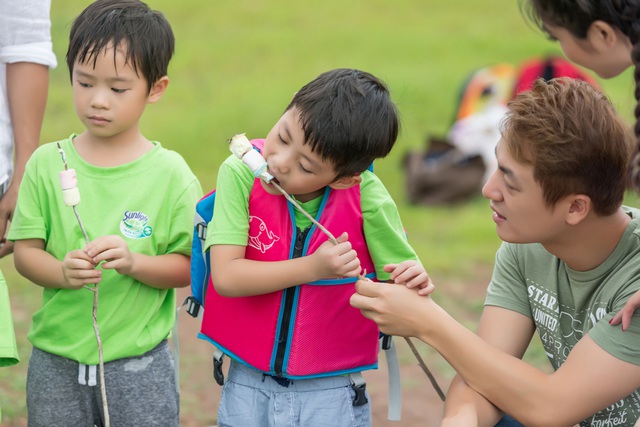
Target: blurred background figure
26, 55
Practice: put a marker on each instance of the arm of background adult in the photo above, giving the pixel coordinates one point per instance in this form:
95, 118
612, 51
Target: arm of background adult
509, 332
27, 86
25, 46
589, 380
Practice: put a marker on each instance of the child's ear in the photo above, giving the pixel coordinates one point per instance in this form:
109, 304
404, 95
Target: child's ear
157, 89
603, 36
346, 182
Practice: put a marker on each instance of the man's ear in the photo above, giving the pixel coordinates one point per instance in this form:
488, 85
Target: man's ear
157, 89
346, 182
579, 208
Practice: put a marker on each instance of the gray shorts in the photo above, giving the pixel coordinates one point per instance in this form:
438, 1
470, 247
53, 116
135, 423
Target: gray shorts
251, 399
141, 391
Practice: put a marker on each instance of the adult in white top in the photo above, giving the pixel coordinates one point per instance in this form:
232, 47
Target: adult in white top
26, 55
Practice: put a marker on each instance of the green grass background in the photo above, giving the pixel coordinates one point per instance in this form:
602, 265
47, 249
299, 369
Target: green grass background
236, 66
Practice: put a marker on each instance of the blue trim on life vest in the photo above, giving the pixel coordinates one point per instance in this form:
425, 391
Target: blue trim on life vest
323, 204
294, 230
292, 377
334, 373
340, 281
230, 353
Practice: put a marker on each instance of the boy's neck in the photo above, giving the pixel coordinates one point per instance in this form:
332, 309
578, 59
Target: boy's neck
304, 198
111, 151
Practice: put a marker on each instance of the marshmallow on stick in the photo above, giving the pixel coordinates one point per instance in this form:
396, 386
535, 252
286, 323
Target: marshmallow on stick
242, 148
69, 184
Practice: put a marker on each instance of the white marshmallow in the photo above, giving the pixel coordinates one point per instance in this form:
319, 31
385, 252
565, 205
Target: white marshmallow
71, 196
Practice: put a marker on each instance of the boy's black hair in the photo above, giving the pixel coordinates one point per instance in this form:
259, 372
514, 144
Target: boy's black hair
348, 118
146, 33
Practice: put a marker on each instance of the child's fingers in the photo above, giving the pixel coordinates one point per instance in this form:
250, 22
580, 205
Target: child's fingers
624, 316
390, 267
616, 319
626, 319
409, 274
427, 290
343, 237
417, 281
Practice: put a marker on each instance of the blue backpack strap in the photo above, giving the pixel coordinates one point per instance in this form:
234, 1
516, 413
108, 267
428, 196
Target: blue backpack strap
200, 267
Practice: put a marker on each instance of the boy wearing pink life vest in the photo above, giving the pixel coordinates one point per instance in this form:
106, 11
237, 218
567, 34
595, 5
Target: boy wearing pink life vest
279, 304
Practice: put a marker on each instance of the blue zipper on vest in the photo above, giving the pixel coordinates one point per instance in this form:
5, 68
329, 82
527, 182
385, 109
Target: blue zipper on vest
289, 298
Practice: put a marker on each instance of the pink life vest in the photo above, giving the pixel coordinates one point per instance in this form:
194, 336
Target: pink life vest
305, 331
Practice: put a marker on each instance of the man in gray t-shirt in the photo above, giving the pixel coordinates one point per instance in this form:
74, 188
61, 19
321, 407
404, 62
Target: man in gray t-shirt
570, 261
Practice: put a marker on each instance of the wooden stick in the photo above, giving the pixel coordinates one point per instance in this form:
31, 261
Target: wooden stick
96, 329
426, 370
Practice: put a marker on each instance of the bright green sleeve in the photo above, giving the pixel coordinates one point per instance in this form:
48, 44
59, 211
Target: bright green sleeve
8, 348
230, 222
386, 237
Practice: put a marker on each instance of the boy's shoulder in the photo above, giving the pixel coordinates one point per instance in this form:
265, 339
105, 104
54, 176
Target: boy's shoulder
373, 190
49, 151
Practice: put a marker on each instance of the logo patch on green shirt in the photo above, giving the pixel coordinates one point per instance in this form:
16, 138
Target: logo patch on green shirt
134, 225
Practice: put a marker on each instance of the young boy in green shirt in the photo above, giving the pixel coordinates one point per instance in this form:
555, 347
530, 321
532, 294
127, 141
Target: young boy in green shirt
138, 202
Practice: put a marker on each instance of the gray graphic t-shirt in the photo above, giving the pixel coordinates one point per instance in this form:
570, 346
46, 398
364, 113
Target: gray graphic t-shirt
566, 305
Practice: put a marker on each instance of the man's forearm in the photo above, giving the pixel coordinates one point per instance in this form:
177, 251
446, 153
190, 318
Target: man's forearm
465, 407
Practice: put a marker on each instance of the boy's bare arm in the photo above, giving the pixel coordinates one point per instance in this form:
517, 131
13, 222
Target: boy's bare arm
233, 275
161, 271
43, 269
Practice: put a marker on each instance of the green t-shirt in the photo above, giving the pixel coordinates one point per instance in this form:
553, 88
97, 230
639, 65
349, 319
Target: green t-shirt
385, 236
566, 305
150, 202
8, 348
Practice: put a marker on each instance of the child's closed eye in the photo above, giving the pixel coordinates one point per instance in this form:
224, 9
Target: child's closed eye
304, 170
